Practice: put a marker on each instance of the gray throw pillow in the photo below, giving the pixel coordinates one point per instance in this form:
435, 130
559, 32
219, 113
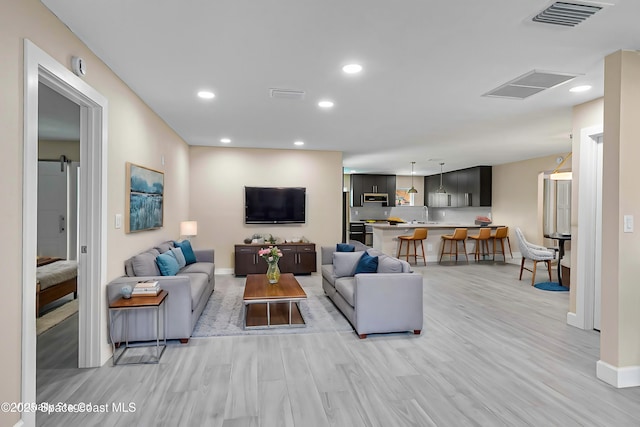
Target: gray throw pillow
179, 256
144, 264
164, 246
387, 264
345, 263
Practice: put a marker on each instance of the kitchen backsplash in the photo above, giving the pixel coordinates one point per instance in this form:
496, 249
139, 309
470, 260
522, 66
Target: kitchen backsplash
420, 213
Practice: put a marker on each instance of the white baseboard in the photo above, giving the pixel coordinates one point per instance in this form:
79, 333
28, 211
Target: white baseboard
627, 376
572, 320
224, 271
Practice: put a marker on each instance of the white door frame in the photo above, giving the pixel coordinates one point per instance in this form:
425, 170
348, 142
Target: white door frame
40, 67
587, 229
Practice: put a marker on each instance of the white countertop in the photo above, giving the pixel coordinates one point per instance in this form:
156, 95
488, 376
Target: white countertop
433, 225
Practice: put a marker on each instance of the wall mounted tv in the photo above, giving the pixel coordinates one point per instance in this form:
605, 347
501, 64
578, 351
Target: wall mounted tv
274, 205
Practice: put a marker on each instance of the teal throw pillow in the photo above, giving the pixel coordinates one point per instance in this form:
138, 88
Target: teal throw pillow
345, 247
367, 264
187, 251
167, 264
177, 253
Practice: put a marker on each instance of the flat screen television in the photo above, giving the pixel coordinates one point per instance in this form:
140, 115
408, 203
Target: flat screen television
274, 205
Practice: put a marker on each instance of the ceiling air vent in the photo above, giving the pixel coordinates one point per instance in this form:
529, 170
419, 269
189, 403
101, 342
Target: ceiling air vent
566, 14
529, 84
286, 94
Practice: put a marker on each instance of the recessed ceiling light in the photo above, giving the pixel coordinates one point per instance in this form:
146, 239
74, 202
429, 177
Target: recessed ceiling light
325, 104
352, 68
225, 140
205, 94
298, 143
582, 88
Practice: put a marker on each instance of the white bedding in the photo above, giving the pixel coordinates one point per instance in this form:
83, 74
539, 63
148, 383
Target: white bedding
56, 272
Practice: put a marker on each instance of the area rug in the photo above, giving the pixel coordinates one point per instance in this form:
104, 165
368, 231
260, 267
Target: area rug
551, 286
222, 315
52, 318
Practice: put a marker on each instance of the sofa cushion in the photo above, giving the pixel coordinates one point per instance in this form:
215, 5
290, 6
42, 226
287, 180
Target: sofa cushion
327, 273
374, 252
199, 267
387, 264
144, 264
198, 282
367, 264
345, 247
187, 251
167, 264
345, 263
164, 246
179, 256
346, 286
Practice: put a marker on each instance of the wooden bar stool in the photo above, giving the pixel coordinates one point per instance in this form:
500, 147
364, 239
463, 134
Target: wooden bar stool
482, 242
459, 235
501, 234
419, 234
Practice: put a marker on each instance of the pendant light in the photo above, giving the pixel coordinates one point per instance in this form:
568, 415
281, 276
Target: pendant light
556, 175
441, 189
412, 190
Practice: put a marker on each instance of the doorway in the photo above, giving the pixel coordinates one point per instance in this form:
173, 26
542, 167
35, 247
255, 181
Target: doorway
39, 67
588, 289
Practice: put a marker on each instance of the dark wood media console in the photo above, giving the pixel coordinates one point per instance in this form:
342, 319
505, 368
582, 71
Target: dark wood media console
297, 258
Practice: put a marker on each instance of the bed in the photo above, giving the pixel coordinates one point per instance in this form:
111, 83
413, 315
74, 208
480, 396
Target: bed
55, 278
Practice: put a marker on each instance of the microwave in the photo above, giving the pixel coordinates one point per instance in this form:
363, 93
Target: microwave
375, 198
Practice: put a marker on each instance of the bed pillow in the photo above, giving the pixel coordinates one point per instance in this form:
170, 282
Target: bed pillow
367, 264
345, 247
167, 264
187, 251
179, 256
345, 263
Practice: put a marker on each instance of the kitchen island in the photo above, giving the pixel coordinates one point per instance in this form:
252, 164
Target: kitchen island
385, 236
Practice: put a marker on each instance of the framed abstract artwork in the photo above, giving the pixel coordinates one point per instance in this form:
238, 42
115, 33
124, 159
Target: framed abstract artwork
145, 198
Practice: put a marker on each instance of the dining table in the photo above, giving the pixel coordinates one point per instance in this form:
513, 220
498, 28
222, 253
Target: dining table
561, 238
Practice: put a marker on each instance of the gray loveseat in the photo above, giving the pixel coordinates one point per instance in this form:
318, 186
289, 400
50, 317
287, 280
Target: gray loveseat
389, 300
189, 290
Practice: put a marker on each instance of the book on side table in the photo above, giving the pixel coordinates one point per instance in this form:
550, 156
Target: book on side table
146, 288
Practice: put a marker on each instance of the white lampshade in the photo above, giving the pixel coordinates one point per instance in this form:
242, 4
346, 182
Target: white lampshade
189, 228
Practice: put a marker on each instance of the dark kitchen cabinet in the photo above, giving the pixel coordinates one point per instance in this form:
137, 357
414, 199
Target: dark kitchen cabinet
297, 258
465, 187
365, 183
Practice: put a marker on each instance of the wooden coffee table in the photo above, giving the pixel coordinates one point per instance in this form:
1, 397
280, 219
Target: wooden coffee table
267, 306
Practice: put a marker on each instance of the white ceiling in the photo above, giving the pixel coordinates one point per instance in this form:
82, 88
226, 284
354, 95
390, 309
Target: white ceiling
426, 65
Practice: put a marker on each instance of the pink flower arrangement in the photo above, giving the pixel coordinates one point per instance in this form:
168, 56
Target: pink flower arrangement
270, 254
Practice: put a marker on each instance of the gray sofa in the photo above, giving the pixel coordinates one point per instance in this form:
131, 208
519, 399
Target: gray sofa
389, 300
189, 290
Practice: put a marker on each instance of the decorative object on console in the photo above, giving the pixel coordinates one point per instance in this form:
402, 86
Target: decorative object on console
126, 291
271, 255
145, 198
483, 220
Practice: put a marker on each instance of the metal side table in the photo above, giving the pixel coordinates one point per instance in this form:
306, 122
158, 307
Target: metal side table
139, 303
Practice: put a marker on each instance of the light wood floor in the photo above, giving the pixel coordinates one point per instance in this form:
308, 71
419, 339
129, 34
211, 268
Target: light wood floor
494, 351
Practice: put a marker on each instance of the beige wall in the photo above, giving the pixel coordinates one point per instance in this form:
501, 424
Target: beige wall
515, 200
584, 115
217, 180
619, 338
135, 134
